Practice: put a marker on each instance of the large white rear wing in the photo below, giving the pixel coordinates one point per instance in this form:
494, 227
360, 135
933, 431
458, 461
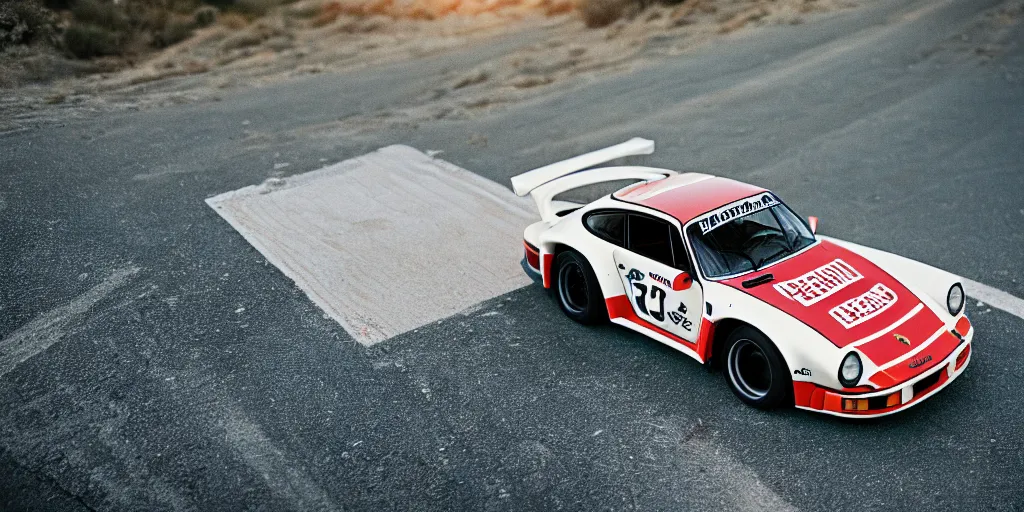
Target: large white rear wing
524, 183
544, 183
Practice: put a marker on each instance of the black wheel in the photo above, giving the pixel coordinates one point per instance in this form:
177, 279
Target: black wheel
577, 289
755, 370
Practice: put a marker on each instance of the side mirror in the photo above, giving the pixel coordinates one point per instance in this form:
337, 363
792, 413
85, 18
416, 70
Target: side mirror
813, 223
682, 282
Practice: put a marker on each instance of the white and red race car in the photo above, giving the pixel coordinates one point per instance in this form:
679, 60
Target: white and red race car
727, 274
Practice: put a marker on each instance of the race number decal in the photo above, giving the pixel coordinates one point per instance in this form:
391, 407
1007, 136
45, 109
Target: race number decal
657, 294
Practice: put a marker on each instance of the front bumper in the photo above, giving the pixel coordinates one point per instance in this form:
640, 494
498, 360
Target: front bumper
910, 392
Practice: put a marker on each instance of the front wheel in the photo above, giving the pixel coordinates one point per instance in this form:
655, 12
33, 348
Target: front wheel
755, 370
577, 289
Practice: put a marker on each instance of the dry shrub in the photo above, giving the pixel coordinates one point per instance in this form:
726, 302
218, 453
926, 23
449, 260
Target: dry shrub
129, 27
738, 20
257, 8
85, 41
329, 12
175, 29
553, 7
24, 22
601, 13
304, 11
106, 15
241, 39
379, 7
233, 20
205, 16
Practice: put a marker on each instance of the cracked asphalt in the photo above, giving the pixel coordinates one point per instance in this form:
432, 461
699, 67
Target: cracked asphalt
152, 359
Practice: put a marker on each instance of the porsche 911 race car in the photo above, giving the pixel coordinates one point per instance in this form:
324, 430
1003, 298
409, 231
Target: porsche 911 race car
726, 273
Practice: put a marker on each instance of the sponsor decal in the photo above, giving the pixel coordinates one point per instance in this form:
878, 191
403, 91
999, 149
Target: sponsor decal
820, 282
902, 339
635, 275
678, 318
918, 362
660, 279
802, 371
864, 307
735, 210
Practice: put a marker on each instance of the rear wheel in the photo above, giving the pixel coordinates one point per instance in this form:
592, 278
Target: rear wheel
755, 370
577, 289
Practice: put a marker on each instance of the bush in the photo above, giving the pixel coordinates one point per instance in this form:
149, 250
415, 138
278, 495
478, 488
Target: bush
601, 13
205, 16
86, 41
24, 22
105, 15
234, 21
255, 8
328, 13
175, 30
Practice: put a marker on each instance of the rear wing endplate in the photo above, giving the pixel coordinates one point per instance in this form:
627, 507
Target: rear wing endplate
525, 183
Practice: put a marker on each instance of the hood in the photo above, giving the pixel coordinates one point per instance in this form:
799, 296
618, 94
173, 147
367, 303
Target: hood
848, 300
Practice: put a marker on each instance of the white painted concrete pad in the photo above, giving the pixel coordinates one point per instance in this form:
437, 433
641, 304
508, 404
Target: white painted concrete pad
389, 241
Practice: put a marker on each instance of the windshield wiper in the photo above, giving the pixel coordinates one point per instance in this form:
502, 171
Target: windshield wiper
765, 260
748, 258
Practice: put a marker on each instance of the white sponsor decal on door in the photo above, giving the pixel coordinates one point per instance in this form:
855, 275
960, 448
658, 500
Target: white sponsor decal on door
820, 282
865, 307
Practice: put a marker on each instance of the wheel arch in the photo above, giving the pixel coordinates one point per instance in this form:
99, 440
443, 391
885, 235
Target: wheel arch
724, 328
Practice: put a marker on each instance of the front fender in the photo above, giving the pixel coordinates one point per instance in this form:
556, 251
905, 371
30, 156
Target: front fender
801, 347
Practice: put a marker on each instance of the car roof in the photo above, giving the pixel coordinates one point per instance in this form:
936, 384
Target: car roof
687, 195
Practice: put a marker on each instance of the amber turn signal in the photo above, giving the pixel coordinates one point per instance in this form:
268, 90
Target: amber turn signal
855, 404
893, 399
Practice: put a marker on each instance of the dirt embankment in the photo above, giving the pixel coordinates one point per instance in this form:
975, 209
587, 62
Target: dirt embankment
316, 36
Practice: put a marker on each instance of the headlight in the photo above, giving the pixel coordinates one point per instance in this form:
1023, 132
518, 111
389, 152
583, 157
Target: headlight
849, 370
955, 299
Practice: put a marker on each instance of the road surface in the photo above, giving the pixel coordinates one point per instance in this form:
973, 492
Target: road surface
152, 359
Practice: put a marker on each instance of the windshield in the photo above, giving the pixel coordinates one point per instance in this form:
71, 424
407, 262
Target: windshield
749, 242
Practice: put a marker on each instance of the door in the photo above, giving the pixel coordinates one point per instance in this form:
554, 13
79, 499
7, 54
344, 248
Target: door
655, 274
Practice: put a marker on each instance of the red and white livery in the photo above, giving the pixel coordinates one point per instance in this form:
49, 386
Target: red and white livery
727, 274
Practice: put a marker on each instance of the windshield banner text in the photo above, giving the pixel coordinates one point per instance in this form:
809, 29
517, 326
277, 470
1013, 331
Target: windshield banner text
740, 208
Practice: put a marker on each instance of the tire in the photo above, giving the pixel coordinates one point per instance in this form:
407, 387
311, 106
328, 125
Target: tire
577, 290
755, 370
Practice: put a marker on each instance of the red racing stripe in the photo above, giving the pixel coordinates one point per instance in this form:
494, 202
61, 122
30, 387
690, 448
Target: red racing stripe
548, 260
938, 351
915, 330
963, 326
619, 306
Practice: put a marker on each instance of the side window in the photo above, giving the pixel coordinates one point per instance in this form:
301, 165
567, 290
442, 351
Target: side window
651, 238
609, 226
679, 251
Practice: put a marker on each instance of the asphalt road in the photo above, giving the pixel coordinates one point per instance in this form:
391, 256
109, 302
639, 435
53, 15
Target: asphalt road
899, 123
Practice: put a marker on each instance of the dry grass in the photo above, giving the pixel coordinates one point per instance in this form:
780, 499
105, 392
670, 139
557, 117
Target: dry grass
328, 13
133, 43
